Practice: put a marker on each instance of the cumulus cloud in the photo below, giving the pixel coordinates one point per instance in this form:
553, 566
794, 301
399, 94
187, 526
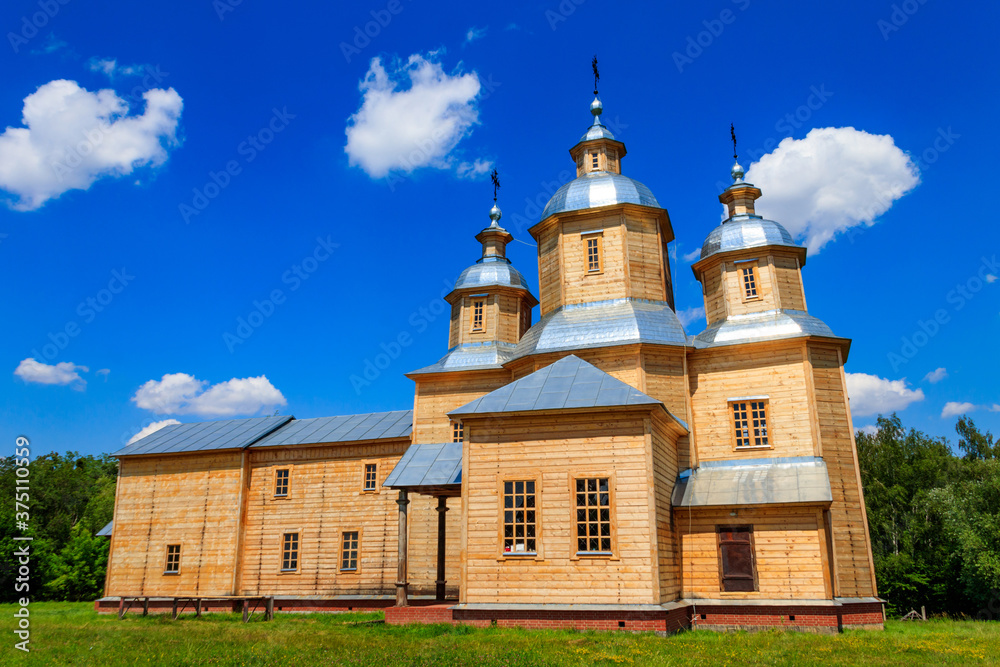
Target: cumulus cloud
72, 137
111, 68
690, 315
63, 373
990, 278
692, 256
936, 375
474, 33
871, 395
474, 169
152, 428
183, 394
402, 128
832, 180
870, 429
954, 408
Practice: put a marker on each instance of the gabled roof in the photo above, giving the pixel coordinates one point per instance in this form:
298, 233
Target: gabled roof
106, 531
568, 383
343, 428
427, 465
200, 436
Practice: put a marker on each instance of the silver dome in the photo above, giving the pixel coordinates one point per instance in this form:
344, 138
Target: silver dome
597, 131
490, 272
768, 325
745, 231
603, 323
599, 188
471, 356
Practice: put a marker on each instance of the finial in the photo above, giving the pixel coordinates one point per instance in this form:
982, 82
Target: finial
597, 73
596, 108
495, 211
737, 170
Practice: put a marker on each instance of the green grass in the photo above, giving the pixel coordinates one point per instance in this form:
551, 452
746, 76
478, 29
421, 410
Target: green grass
72, 634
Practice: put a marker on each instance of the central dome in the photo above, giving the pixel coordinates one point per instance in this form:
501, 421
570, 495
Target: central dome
599, 188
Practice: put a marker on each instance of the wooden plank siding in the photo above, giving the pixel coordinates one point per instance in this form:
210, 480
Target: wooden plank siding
186, 499
789, 283
578, 284
438, 394
646, 265
787, 543
549, 260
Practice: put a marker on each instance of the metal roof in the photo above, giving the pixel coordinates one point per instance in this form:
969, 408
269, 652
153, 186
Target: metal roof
767, 325
754, 482
106, 531
490, 272
426, 465
599, 188
472, 356
745, 231
200, 436
568, 383
343, 428
603, 323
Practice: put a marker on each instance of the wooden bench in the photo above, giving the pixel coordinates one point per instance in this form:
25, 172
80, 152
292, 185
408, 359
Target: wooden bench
181, 603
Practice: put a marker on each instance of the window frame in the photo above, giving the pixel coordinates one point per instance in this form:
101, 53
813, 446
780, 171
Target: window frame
288, 483
166, 560
753, 266
751, 544
768, 424
598, 237
298, 551
364, 476
513, 477
340, 551
457, 431
595, 160
614, 554
482, 315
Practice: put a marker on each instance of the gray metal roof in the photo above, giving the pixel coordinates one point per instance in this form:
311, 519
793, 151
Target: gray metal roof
767, 325
599, 188
745, 231
489, 272
754, 482
603, 323
472, 356
568, 383
597, 131
343, 428
106, 531
201, 436
426, 465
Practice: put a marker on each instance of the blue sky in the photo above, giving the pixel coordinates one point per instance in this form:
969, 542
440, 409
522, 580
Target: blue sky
140, 226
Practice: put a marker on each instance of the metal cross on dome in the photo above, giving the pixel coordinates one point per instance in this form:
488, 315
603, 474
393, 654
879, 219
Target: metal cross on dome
495, 177
597, 74
732, 133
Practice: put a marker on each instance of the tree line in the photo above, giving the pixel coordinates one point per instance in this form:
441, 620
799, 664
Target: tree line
933, 516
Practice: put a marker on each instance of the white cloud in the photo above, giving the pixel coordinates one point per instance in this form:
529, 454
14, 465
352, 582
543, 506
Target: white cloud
473, 169
871, 395
183, 394
832, 180
72, 137
104, 372
870, 429
954, 408
63, 373
474, 33
692, 256
419, 126
690, 315
995, 407
990, 278
936, 375
111, 68
152, 428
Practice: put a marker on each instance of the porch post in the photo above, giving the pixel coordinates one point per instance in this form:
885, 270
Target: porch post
401, 583
441, 509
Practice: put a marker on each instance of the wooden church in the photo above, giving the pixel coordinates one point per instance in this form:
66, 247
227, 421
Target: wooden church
598, 468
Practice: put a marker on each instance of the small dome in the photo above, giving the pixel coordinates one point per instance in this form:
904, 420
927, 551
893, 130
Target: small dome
489, 272
745, 231
597, 131
599, 188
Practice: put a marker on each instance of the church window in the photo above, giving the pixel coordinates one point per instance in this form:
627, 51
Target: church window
289, 552
457, 432
173, 565
477, 314
736, 558
281, 482
750, 422
593, 515
595, 261
519, 517
371, 477
593, 160
349, 552
749, 274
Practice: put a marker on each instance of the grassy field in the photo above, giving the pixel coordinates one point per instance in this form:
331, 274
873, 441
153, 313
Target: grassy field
72, 634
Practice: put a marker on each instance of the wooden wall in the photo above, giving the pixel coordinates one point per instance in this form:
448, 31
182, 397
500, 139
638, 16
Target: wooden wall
788, 552
553, 450
664, 455
501, 317
647, 270
580, 286
779, 283
852, 548
186, 499
788, 278
438, 394
549, 261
